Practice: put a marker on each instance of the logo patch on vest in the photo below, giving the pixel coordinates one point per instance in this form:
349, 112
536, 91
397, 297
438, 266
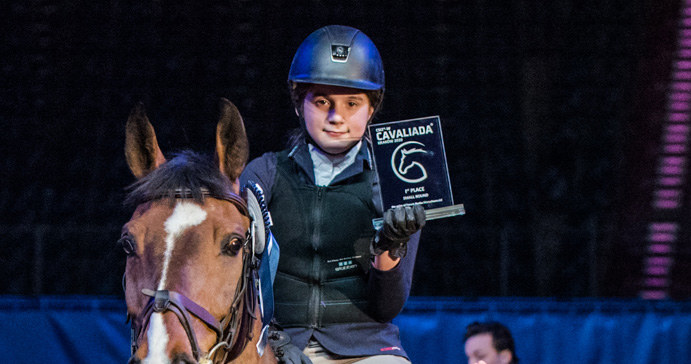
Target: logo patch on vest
342, 264
339, 53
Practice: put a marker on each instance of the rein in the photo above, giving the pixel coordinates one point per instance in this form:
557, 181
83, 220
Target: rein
234, 331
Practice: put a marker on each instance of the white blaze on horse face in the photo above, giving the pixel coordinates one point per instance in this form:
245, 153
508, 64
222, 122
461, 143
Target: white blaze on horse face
184, 216
158, 340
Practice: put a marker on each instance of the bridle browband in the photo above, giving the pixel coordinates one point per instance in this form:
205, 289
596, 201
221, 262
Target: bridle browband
234, 331
235, 199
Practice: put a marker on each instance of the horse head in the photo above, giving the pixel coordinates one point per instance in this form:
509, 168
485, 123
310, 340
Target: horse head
188, 276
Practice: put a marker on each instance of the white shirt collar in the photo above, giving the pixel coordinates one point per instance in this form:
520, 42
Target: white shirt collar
327, 166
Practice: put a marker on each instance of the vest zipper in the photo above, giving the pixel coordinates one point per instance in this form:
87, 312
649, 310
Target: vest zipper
315, 299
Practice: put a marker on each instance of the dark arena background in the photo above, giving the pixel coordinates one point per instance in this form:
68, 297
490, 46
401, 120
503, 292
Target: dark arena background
566, 125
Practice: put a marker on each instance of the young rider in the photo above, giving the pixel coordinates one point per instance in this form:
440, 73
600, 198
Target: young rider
340, 282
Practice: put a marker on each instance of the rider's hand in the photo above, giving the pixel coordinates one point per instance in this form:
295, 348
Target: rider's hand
293, 355
399, 224
285, 352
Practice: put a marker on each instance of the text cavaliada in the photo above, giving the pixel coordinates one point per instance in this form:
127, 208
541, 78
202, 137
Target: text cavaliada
385, 133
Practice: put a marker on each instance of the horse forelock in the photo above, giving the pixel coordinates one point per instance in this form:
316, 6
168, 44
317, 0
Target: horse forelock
187, 171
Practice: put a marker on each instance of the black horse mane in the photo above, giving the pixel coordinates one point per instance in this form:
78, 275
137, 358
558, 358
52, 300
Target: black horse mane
187, 174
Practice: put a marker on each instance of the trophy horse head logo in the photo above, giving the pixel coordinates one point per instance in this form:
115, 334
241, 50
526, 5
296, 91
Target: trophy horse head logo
404, 164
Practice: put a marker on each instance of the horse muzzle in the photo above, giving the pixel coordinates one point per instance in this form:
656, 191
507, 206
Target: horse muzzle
178, 359
163, 301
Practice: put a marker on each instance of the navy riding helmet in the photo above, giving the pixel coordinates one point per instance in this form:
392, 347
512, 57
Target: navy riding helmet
338, 55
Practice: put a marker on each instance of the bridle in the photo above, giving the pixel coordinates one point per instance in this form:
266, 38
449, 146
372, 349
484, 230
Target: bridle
234, 331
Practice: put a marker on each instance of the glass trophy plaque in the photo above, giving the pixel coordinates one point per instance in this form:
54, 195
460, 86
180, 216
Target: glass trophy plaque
410, 161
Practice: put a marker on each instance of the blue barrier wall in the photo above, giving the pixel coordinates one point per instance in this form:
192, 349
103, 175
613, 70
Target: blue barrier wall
92, 329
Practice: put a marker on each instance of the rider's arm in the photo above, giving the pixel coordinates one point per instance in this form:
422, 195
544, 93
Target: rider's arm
385, 262
389, 289
261, 170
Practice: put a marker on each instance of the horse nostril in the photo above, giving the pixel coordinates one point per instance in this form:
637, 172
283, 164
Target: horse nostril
134, 360
183, 359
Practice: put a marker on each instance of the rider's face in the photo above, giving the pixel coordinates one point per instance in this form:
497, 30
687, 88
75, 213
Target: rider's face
336, 117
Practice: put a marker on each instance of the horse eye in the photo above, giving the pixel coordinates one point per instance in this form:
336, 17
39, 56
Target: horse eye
128, 245
232, 245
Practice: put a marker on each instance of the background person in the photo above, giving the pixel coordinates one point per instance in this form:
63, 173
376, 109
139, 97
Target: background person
489, 342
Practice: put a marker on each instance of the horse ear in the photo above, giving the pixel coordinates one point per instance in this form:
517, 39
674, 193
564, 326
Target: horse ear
141, 147
232, 147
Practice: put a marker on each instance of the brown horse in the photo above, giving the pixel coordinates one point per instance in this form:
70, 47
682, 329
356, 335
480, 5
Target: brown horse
189, 278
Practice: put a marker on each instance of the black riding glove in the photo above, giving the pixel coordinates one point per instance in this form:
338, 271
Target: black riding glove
284, 351
399, 224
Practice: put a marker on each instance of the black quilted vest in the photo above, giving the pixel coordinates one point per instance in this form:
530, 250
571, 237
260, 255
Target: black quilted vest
324, 234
